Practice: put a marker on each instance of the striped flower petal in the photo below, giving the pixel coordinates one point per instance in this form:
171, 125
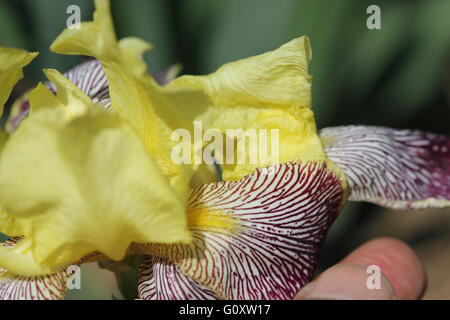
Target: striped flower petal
51, 287
46, 287
91, 79
401, 169
157, 272
257, 238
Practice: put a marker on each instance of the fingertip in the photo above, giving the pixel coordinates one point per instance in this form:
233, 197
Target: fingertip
397, 262
346, 281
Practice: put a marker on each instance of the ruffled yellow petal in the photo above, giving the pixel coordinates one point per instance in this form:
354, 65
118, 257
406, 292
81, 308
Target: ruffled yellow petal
42, 98
277, 78
19, 258
11, 63
8, 225
82, 183
135, 96
68, 98
269, 91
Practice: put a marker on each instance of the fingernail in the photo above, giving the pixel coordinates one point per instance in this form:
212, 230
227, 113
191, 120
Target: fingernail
348, 282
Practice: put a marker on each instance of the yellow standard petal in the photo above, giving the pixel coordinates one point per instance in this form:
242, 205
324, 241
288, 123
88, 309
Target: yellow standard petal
8, 225
11, 63
271, 91
135, 95
82, 183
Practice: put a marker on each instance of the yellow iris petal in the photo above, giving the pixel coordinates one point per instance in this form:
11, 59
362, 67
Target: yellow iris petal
20, 259
269, 91
135, 96
277, 78
11, 63
8, 225
70, 99
83, 183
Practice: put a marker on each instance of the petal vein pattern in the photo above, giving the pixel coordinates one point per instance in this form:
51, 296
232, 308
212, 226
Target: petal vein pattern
46, 287
157, 272
91, 79
257, 238
400, 169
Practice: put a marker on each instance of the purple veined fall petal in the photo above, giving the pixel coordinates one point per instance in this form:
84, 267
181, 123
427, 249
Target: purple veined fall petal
400, 169
88, 76
257, 238
46, 287
160, 279
91, 79
16, 287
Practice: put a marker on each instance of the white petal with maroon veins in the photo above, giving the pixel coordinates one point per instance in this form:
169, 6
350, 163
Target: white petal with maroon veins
48, 287
401, 169
257, 238
91, 79
160, 273
15, 287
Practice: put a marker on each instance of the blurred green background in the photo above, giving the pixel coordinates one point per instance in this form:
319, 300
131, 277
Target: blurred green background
398, 76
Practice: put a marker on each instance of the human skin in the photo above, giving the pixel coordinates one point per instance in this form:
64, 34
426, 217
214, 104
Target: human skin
403, 275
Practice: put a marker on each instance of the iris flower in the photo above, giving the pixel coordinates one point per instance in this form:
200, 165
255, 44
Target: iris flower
87, 175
